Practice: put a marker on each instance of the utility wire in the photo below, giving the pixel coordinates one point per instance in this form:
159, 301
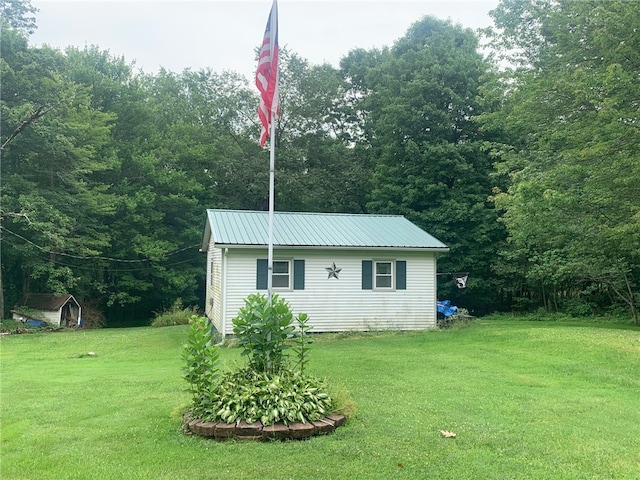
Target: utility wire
115, 270
90, 257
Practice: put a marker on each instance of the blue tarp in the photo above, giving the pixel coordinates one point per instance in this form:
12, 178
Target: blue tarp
444, 307
36, 323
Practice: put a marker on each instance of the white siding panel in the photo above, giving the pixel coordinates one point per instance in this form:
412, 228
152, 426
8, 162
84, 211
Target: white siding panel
52, 317
213, 300
240, 278
341, 304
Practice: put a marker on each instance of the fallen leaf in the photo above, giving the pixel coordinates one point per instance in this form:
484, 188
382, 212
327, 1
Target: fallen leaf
447, 434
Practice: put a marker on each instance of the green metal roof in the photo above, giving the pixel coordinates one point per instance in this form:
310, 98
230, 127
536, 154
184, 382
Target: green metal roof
338, 230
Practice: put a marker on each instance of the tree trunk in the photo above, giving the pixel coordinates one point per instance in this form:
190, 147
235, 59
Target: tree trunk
632, 301
1, 295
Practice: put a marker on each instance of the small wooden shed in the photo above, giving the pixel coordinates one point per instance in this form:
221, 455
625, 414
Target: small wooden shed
347, 271
59, 310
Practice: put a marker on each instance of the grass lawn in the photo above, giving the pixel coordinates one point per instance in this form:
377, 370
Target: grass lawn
526, 400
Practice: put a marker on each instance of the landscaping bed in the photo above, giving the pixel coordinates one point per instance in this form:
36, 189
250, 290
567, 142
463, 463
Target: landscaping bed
257, 431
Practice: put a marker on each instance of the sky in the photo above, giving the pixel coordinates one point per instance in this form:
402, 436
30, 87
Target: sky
223, 34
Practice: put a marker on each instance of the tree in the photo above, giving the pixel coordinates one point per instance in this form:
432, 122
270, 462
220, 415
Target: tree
317, 168
18, 15
573, 208
418, 101
53, 208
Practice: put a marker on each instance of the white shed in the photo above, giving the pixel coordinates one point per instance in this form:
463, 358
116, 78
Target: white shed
60, 310
347, 272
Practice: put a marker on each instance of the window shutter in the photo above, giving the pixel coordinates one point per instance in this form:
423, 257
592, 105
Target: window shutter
367, 274
401, 274
262, 273
298, 274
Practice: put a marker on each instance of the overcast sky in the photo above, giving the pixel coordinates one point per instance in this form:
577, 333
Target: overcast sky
222, 35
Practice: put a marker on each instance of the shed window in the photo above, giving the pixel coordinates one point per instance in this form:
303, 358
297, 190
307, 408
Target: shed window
384, 274
281, 277
287, 274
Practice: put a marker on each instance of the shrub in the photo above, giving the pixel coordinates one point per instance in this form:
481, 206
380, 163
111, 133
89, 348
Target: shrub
263, 330
9, 325
459, 319
578, 307
200, 358
286, 396
343, 403
176, 315
15, 326
268, 389
92, 316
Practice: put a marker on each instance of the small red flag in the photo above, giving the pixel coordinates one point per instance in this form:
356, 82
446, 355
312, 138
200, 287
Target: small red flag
267, 74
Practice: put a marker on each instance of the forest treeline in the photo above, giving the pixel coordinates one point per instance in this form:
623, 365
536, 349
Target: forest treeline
525, 161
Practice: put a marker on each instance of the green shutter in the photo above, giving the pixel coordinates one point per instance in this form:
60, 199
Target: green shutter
401, 275
262, 274
367, 274
298, 274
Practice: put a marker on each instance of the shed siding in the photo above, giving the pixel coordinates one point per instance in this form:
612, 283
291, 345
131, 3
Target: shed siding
339, 304
48, 316
214, 286
52, 317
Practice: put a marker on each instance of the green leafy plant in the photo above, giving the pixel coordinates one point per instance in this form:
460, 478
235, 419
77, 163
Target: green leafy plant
343, 402
286, 396
176, 315
458, 320
264, 329
302, 341
200, 358
15, 326
268, 389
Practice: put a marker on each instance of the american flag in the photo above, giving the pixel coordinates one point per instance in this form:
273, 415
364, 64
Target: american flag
267, 74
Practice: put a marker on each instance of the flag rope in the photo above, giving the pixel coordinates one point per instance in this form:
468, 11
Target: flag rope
272, 175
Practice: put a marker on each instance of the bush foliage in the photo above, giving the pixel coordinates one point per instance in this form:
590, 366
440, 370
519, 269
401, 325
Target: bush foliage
199, 359
286, 396
176, 315
272, 387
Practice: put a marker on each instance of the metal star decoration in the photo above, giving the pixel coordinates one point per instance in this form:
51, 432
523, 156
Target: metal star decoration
333, 271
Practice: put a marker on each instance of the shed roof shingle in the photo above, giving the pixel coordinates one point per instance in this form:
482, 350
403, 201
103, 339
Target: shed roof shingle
45, 301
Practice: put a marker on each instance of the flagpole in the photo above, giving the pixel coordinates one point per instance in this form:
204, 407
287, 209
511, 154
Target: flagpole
272, 175
267, 83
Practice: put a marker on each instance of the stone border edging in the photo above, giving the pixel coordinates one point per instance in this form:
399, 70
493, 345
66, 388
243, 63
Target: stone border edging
256, 431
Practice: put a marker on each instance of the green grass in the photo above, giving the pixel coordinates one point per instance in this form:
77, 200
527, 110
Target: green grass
526, 399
